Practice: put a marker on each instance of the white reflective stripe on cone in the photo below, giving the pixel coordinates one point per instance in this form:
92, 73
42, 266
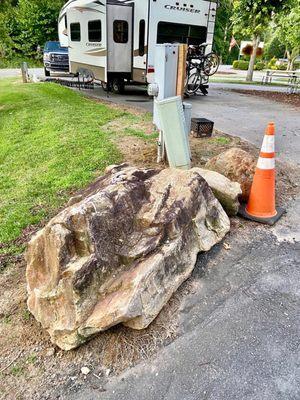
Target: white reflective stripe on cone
268, 145
266, 163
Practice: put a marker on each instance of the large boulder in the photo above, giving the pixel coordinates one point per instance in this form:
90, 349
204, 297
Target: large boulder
238, 166
119, 251
226, 192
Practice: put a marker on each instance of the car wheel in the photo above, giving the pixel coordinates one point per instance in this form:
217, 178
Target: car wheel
47, 73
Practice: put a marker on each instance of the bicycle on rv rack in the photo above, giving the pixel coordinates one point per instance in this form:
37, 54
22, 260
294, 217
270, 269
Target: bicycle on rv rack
199, 67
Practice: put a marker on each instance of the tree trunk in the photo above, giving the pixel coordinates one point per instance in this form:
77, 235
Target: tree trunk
256, 41
290, 61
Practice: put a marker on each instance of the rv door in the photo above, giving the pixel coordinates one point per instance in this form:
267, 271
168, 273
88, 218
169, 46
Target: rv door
119, 40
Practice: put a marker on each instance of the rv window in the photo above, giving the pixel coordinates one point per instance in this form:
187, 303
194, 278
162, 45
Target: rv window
120, 31
66, 21
95, 34
75, 32
168, 32
142, 38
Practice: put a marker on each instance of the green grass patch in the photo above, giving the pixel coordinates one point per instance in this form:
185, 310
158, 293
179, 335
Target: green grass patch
17, 61
52, 142
17, 370
222, 140
244, 82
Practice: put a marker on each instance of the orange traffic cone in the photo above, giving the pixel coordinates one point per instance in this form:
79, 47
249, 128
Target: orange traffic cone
261, 205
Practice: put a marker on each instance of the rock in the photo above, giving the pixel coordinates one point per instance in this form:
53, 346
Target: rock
226, 192
119, 254
50, 352
238, 166
85, 370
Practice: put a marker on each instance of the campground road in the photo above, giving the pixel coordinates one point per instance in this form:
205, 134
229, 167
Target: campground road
15, 72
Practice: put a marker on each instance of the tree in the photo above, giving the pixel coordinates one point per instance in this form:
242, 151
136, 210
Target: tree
252, 17
37, 23
223, 32
25, 24
274, 47
7, 18
288, 32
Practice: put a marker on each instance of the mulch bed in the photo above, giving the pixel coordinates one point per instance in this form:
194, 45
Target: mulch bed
290, 99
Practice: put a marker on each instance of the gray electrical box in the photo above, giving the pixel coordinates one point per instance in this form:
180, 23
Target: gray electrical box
166, 64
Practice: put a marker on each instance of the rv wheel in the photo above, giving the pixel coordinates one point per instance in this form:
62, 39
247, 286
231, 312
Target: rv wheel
105, 86
118, 85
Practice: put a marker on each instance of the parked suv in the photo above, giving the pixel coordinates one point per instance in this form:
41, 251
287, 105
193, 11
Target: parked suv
56, 58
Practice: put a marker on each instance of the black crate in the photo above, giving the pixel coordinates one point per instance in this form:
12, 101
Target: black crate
202, 127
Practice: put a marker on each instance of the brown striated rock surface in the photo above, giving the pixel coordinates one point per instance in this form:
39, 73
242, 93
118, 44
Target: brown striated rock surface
119, 251
238, 166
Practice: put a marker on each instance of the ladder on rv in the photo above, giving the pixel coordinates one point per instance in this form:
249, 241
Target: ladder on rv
211, 18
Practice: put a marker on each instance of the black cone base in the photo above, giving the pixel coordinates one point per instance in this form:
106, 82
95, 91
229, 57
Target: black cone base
267, 221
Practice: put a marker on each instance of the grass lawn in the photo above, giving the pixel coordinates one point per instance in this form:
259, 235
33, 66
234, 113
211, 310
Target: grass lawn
52, 142
220, 79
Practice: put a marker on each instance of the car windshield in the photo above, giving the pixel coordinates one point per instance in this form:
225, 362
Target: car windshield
54, 46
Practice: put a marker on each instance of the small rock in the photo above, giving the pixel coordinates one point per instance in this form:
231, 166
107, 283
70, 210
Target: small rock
50, 352
85, 370
226, 191
107, 372
226, 246
237, 165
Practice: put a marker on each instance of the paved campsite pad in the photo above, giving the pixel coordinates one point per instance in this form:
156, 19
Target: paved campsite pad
42, 372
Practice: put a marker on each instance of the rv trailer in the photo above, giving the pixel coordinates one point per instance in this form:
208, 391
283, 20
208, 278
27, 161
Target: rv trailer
114, 40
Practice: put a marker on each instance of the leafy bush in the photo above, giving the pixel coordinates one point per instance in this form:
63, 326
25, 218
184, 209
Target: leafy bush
272, 63
297, 65
235, 64
15, 62
241, 64
259, 66
281, 67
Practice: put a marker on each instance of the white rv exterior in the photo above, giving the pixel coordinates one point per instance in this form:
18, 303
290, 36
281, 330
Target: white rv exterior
115, 39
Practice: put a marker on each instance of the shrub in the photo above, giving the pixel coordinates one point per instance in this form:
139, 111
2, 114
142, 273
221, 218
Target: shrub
281, 67
235, 64
241, 64
259, 66
297, 65
272, 63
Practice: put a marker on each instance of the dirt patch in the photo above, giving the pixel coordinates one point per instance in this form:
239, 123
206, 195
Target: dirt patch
143, 153
31, 367
226, 73
290, 99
